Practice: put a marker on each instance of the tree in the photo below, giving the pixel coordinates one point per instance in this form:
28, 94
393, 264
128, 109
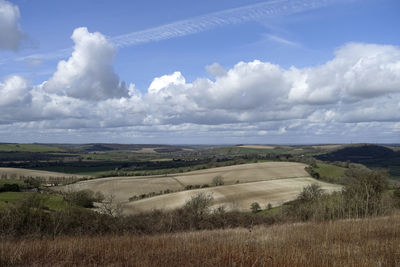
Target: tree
196, 209
218, 180
364, 191
255, 207
84, 198
32, 182
310, 192
110, 206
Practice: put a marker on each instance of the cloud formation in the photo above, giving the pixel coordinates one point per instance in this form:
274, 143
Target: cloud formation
355, 93
88, 74
11, 34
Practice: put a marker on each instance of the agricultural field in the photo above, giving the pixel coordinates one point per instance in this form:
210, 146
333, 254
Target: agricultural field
329, 170
258, 146
233, 197
53, 202
266, 182
125, 187
29, 148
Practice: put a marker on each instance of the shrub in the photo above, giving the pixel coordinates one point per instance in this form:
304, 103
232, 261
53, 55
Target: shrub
310, 192
255, 207
10, 188
83, 198
218, 180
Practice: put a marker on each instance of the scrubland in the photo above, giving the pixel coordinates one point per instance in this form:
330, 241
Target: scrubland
351, 242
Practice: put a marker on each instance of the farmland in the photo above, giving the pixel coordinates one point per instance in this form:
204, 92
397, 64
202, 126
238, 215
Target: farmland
200, 195
267, 182
233, 197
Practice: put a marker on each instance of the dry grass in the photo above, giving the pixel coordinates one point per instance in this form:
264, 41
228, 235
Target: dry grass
367, 242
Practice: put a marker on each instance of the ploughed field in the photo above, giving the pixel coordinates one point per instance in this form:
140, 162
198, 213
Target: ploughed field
267, 182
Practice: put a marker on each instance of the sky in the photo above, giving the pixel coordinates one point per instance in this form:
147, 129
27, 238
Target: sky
200, 72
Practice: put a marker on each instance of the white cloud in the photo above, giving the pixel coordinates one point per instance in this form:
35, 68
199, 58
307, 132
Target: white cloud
355, 93
11, 34
88, 73
163, 82
15, 91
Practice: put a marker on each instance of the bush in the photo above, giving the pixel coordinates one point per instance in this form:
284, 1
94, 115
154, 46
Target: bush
218, 180
10, 188
255, 207
310, 192
83, 198
32, 182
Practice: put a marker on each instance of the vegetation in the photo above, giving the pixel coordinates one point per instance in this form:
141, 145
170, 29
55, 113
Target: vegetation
59, 229
218, 180
366, 242
255, 207
329, 170
372, 156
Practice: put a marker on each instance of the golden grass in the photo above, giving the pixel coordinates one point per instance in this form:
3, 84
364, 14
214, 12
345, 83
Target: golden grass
362, 242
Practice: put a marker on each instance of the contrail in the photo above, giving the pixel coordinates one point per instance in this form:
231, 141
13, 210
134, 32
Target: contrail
268, 9
213, 20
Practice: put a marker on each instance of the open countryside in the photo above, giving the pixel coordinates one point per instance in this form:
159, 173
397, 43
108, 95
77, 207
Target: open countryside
245, 133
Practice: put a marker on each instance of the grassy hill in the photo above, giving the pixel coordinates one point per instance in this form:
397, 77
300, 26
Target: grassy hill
373, 156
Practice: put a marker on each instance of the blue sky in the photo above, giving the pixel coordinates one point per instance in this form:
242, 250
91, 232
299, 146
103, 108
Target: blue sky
300, 38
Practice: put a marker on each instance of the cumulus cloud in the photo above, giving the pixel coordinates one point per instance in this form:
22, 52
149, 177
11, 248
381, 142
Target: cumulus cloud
88, 74
11, 34
15, 91
357, 92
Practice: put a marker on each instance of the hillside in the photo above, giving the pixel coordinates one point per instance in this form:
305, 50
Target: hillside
267, 182
372, 156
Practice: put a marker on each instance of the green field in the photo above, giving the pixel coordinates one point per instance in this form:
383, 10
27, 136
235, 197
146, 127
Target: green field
53, 202
329, 170
29, 148
11, 181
